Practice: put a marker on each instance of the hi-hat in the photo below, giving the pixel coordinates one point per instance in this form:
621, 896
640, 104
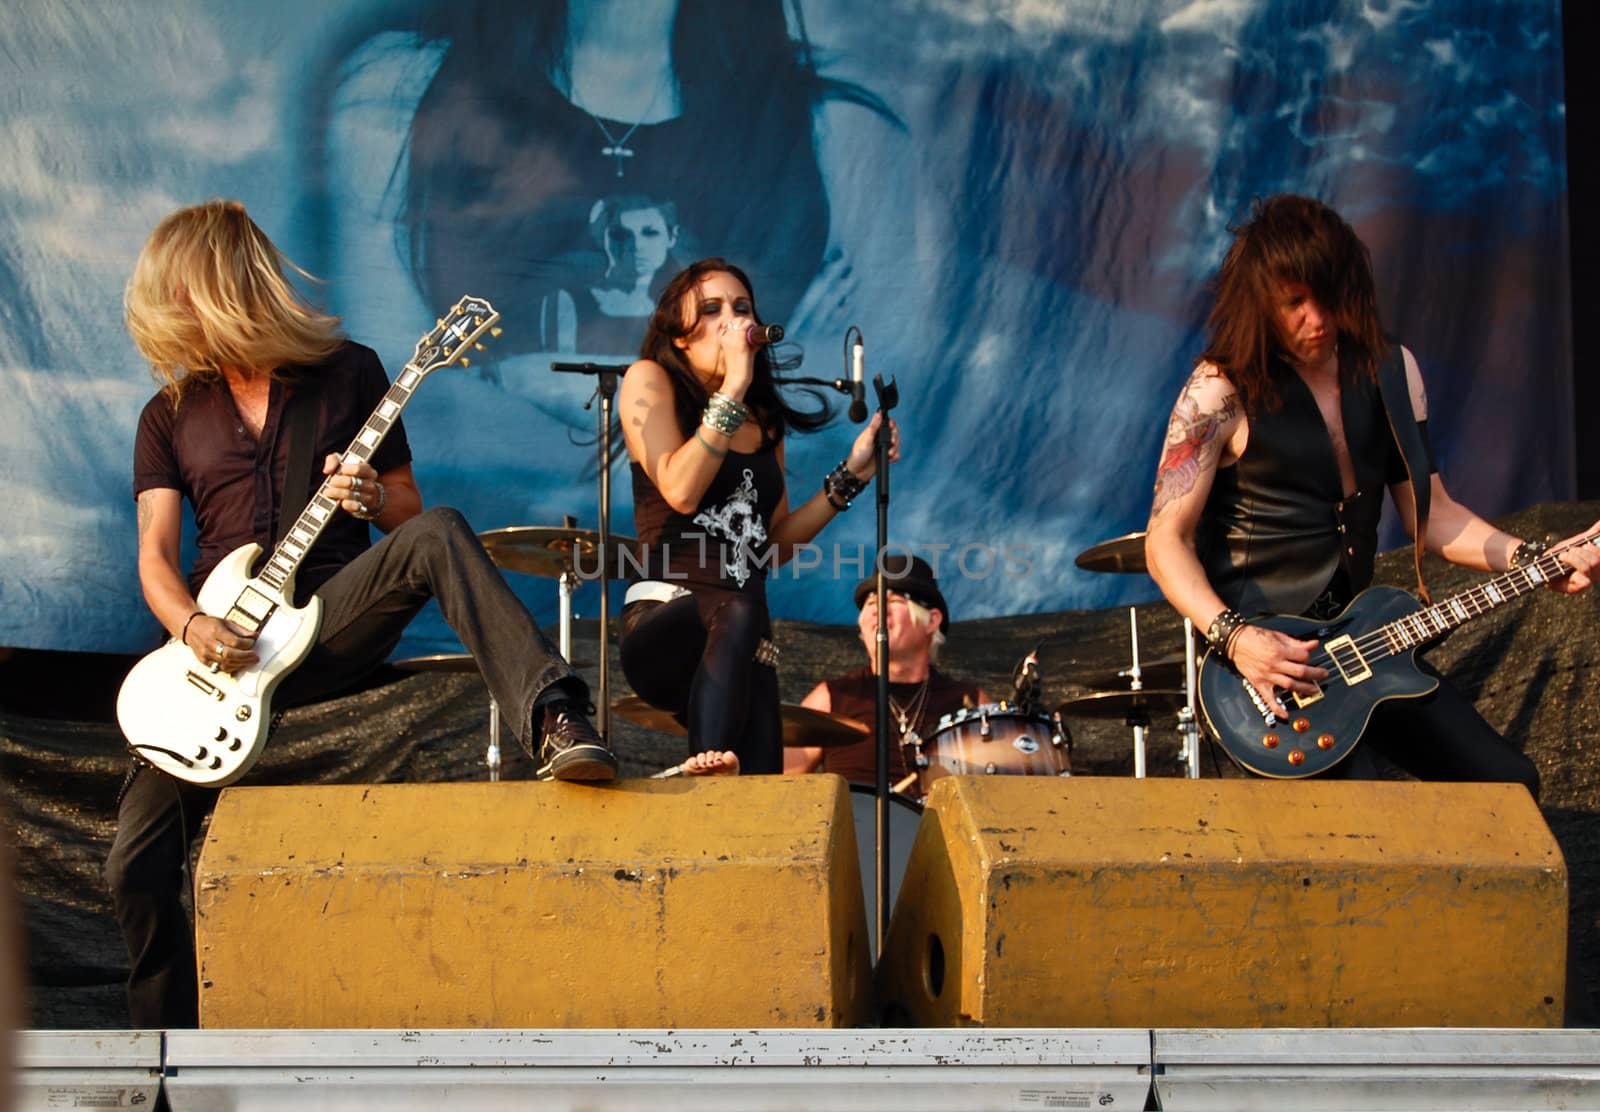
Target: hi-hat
802, 726
1120, 554
1165, 671
551, 550
1123, 704
438, 662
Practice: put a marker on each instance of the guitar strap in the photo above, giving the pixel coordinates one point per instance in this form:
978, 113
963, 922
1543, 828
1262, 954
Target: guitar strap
1403, 424
303, 411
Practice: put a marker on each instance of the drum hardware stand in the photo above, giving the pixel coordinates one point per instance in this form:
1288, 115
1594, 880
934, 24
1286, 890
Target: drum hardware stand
492, 757
1139, 722
606, 376
565, 587
1188, 718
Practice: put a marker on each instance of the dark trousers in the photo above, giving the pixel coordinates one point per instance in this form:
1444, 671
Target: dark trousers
695, 656
1438, 737
366, 607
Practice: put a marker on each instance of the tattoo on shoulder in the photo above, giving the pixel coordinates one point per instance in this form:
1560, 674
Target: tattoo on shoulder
146, 514
1193, 442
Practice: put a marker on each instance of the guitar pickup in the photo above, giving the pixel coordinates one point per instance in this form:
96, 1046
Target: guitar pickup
1348, 659
251, 610
206, 686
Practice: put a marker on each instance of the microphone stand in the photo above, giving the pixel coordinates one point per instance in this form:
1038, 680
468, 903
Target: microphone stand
606, 375
888, 398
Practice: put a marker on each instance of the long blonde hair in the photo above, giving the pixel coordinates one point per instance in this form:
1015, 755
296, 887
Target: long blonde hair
209, 291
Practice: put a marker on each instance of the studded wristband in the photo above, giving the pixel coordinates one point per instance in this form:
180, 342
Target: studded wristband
1224, 627
841, 486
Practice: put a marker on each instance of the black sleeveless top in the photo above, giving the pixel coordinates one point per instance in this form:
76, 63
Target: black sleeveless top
724, 542
1278, 534
854, 695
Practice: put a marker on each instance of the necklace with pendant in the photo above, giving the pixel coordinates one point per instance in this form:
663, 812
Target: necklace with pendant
906, 716
617, 145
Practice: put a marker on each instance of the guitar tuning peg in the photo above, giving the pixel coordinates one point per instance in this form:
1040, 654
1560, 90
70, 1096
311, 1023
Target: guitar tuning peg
466, 362
496, 331
479, 347
438, 322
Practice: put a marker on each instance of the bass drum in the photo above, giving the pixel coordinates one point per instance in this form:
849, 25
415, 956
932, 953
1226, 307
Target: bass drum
994, 739
905, 815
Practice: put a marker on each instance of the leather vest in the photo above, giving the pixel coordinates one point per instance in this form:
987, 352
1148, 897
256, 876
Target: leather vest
1278, 532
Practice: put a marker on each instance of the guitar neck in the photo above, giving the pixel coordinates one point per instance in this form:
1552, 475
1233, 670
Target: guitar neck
291, 550
1429, 622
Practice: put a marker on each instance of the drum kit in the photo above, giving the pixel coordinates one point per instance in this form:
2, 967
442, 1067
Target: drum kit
991, 739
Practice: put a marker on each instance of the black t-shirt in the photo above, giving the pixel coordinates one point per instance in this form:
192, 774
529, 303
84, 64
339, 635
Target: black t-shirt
234, 482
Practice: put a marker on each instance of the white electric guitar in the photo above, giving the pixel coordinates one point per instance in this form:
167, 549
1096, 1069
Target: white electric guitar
209, 727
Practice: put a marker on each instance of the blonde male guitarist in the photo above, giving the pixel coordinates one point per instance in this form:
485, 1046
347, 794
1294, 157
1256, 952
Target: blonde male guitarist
248, 367
1270, 485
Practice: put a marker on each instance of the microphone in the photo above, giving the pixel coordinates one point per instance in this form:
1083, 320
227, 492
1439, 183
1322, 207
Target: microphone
758, 334
858, 390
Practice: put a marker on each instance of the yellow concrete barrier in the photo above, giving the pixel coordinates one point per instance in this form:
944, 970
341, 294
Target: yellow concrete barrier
720, 902
1191, 903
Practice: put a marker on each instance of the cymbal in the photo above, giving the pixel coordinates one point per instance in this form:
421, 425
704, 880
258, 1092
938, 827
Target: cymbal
1122, 704
802, 726
1120, 554
550, 550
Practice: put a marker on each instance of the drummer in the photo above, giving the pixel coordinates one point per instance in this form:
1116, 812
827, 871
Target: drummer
919, 694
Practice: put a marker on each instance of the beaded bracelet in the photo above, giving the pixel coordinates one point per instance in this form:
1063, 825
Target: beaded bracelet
841, 486
1224, 628
1528, 552
723, 414
366, 514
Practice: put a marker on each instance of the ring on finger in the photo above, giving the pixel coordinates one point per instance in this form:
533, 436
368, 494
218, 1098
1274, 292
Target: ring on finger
355, 485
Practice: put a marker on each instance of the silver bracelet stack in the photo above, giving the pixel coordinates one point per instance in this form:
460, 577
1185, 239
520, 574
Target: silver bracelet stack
723, 414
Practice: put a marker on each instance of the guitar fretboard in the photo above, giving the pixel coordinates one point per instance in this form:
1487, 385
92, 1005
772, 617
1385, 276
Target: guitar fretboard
320, 509
1424, 625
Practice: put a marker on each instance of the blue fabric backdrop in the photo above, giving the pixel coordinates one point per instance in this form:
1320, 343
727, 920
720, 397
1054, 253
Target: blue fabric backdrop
1018, 203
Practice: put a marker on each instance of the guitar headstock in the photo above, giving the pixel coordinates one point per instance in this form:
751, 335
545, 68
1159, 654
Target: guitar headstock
456, 335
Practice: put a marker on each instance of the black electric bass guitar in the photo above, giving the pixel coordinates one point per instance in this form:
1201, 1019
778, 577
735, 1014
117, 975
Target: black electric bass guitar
209, 727
1369, 650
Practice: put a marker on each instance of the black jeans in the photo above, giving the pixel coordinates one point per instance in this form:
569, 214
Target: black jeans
695, 656
1438, 737
366, 607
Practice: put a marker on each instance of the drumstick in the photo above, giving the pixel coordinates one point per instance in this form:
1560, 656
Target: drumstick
722, 765
901, 786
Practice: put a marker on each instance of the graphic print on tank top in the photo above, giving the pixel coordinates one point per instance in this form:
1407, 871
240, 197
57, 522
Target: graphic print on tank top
736, 521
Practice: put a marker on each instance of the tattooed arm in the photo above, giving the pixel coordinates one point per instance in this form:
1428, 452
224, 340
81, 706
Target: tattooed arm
1208, 430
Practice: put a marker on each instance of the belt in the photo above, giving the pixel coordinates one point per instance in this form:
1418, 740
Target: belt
653, 590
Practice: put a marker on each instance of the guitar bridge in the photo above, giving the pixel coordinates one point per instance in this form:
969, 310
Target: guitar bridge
1348, 659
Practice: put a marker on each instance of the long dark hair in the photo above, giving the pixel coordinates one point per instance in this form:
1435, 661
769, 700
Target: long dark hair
1295, 239
689, 395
